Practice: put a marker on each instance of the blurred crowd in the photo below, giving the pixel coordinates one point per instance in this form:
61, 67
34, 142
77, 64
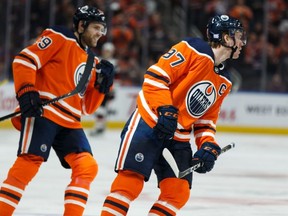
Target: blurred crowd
139, 31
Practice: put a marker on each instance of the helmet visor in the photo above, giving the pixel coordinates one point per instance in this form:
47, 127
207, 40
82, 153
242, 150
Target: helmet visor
97, 27
101, 28
239, 34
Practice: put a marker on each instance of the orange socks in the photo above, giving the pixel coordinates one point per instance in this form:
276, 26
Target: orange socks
118, 201
19, 175
115, 204
84, 170
174, 194
162, 208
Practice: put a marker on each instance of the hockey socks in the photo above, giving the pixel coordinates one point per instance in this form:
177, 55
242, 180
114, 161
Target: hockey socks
115, 204
84, 170
126, 187
174, 195
19, 175
162, 208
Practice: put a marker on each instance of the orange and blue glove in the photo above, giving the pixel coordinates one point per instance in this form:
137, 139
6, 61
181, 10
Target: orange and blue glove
167, 122
104, 76
207, 155
29, 101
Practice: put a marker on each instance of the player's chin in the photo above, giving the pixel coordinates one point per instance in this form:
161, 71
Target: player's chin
93, 43
236, 55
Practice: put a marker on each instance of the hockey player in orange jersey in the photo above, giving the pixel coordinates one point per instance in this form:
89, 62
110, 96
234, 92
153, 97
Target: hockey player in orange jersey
51, 67
182, 94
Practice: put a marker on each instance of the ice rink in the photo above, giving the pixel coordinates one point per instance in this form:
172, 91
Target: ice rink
249, 180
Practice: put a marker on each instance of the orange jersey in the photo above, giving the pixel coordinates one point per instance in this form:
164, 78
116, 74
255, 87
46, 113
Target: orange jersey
54, 64
185, 78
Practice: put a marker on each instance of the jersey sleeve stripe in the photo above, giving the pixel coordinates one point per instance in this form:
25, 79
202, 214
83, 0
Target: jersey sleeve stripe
26, 57
202, 134
27, 51
25, 63
146, 107
204, 127
202, 121
160, 70
155, 83
182, 136
157, 76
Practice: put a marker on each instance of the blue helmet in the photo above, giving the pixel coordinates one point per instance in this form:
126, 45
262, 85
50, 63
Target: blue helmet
220, 24
89, 14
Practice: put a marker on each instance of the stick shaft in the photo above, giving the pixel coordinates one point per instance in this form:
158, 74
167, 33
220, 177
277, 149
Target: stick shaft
180, 174
200, 164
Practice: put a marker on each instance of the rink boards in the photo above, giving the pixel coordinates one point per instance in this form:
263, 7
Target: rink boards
241, 111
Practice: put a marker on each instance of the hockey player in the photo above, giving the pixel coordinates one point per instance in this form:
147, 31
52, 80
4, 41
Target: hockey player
182, 94
51, 67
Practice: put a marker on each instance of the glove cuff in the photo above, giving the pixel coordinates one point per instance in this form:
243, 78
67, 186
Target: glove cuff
168, 110
24, 89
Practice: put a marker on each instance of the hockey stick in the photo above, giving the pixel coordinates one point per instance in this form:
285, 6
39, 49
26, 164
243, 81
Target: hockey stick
79, 87
180, 174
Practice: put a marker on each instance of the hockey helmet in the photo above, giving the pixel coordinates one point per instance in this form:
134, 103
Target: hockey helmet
220, 24
89, 14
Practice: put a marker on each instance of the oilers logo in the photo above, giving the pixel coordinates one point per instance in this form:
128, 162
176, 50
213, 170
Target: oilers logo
139, 157
200, 98
78, 75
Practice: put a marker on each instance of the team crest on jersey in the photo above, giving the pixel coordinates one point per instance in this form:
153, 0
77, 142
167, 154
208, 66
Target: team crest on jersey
200, 98
78, 75
139, 157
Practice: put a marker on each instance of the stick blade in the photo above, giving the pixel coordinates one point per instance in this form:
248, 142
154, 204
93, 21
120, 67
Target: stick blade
171, 161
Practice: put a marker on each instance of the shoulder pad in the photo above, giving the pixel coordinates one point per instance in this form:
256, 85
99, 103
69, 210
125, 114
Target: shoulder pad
63, 30
200, 45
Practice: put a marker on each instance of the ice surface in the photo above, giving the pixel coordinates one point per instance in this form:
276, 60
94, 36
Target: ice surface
249, 180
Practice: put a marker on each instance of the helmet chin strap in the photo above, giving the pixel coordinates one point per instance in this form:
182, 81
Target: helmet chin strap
233, 48
80, 41
233, 51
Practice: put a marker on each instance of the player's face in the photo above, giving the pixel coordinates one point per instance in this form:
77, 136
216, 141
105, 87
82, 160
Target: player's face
92, 34
240, 41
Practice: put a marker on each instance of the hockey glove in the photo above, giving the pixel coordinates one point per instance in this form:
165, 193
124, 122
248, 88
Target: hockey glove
29, 101
207, 155
167, 122
104, 76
